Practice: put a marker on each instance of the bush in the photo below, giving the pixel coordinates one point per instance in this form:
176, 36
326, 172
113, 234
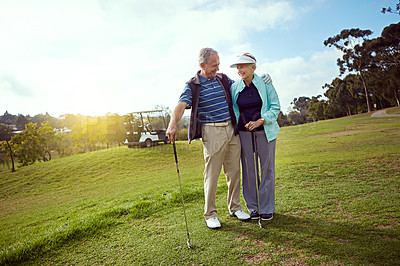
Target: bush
183, 134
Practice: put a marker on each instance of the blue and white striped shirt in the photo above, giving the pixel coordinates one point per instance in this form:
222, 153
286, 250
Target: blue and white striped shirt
213, 106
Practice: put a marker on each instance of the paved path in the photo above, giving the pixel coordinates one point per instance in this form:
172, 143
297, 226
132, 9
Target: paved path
382, 113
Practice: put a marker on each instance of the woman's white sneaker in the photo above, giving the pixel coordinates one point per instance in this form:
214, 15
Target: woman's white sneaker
213, 223
241, 215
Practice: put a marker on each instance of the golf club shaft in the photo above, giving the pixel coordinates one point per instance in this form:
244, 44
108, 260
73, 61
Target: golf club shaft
257, 176
180, 186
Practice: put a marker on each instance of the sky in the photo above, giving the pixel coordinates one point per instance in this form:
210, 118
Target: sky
96, 57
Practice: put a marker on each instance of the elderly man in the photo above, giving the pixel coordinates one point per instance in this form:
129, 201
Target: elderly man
212, 119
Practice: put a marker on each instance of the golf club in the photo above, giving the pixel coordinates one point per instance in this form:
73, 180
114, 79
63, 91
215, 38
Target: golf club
254, 142
183, 204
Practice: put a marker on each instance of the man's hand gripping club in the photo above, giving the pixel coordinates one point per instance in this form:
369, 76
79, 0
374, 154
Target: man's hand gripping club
172, 131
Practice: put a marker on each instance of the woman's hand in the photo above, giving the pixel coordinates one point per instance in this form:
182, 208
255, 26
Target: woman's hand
254, 124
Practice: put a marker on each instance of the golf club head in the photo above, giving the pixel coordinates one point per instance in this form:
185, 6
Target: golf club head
259, 223
188, 244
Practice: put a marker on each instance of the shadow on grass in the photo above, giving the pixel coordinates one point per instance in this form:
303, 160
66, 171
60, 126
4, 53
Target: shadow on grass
347, 241
344, 241
83, 227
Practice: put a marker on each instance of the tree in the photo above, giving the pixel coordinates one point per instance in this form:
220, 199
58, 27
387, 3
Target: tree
27, 144
71, 121
355, 87
8, 118
395, 10
32, 144
21, 122
88, 134
384, 50
283, 120
385, 54
40, 118
295, 118
355, 56
115, 129
6, 144
317, 108
336, 108
63, 144
300, 104
344, 95
46, 135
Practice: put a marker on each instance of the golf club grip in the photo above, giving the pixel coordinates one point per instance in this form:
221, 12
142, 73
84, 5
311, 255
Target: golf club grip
252, 140
176, 157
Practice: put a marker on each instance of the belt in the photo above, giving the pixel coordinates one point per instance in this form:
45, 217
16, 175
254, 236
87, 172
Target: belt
218, 124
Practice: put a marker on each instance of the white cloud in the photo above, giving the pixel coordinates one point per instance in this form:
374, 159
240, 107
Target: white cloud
298, 76
10, 85
95, 57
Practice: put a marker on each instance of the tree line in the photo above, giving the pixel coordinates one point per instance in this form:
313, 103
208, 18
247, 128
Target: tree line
30, 139
369, 77
27, 139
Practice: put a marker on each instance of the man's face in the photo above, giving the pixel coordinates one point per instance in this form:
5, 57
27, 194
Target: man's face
210, 70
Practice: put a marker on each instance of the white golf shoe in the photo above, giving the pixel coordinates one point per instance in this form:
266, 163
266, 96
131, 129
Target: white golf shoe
241, 215
213, 223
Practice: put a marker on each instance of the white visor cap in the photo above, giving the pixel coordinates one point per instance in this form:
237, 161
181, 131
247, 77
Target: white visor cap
242, 59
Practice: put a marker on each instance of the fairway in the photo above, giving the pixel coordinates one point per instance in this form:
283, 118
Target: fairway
337, 202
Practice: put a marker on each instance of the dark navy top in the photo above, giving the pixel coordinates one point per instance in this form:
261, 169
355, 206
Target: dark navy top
249, 102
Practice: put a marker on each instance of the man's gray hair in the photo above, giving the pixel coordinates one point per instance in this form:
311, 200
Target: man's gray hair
205, 53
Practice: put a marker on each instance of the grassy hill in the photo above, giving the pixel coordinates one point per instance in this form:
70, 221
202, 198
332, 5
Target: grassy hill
337, 201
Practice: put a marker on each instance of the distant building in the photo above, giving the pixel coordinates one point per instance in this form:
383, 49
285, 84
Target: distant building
63, 131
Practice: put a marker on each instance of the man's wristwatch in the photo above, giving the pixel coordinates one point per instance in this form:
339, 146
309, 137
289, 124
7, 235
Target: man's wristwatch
263, 120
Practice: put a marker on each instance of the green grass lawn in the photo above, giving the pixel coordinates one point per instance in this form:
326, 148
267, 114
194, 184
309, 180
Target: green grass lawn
393, 110
337, 202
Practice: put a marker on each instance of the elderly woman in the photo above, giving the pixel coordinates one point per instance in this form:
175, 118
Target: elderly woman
256, 107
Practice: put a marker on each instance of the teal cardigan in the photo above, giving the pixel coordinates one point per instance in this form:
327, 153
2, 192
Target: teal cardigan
270, 104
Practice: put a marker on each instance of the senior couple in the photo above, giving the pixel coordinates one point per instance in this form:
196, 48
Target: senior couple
233, 119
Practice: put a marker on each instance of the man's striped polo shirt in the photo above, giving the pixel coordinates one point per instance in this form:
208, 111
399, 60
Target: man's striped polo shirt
213, 106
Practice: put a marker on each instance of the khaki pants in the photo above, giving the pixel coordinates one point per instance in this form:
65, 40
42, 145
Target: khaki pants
221, 148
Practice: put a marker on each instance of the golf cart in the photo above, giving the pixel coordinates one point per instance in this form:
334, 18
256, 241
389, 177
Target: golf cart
145, 129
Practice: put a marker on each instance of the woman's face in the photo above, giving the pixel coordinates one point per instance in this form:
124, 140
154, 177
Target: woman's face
246, 71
